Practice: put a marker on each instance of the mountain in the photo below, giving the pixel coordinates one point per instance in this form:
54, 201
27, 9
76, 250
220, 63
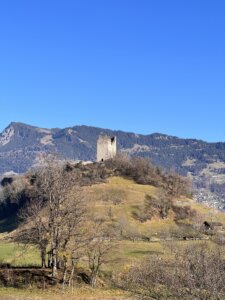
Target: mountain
21, 145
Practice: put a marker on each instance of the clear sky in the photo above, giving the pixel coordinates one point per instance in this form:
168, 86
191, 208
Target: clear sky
136, 65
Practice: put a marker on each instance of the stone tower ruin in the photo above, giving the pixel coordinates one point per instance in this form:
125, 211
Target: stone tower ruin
106, 147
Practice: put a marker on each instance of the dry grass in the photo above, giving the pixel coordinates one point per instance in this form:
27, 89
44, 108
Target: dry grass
17, 255
132, 196
83, 293
208, 213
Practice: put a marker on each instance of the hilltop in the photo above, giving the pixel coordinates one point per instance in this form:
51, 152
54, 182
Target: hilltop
21, 145
145, 202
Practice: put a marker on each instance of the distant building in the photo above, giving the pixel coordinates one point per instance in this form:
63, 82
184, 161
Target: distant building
106, 147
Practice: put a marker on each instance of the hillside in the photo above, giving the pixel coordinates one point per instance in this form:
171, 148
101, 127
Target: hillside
121, 198
21, 145
118, 198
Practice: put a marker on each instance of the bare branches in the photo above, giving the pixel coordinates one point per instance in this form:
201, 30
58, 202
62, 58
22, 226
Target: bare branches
197, 272
102, 241
54, 217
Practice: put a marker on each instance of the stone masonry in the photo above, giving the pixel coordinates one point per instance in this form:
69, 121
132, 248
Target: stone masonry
106, 147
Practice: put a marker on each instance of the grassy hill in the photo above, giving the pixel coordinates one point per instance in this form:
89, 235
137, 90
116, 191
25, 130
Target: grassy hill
119, 198
131, 195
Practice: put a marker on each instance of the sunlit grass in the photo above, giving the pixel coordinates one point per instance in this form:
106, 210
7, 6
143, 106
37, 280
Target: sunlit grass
78, 293
18, 255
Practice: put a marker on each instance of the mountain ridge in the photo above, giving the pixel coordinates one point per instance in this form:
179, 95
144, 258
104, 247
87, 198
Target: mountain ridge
113, 130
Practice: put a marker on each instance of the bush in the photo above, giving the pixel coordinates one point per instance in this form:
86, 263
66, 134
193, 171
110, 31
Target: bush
137, 168
158, 205
197, 272
184, 212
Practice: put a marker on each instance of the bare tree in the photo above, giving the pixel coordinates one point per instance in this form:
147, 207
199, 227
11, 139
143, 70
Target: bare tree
160, 204
176, 185
73, 232
53, 185
56, 213
154, 205
102, 241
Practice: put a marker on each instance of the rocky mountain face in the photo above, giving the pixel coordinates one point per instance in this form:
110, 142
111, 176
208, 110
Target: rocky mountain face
21, 146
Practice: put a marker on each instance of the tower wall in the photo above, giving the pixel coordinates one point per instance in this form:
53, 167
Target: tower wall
106, 147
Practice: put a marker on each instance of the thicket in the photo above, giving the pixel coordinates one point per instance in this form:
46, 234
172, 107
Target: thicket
142, 171
195, 273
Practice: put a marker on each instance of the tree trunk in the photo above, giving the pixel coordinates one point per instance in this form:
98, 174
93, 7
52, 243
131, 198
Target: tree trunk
49, 260
43, 258
93, 279
54, 263
72, 272
64, 272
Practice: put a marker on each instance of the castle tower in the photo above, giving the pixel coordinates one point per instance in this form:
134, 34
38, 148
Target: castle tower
106, 147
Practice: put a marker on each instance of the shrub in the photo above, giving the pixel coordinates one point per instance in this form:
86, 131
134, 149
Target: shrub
158, 205
197, 272
184, 212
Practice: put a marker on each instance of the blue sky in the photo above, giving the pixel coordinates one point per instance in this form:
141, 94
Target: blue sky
143, 66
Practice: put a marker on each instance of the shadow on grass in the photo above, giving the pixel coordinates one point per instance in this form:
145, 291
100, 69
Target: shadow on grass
23, 278
24, 267
8, 224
